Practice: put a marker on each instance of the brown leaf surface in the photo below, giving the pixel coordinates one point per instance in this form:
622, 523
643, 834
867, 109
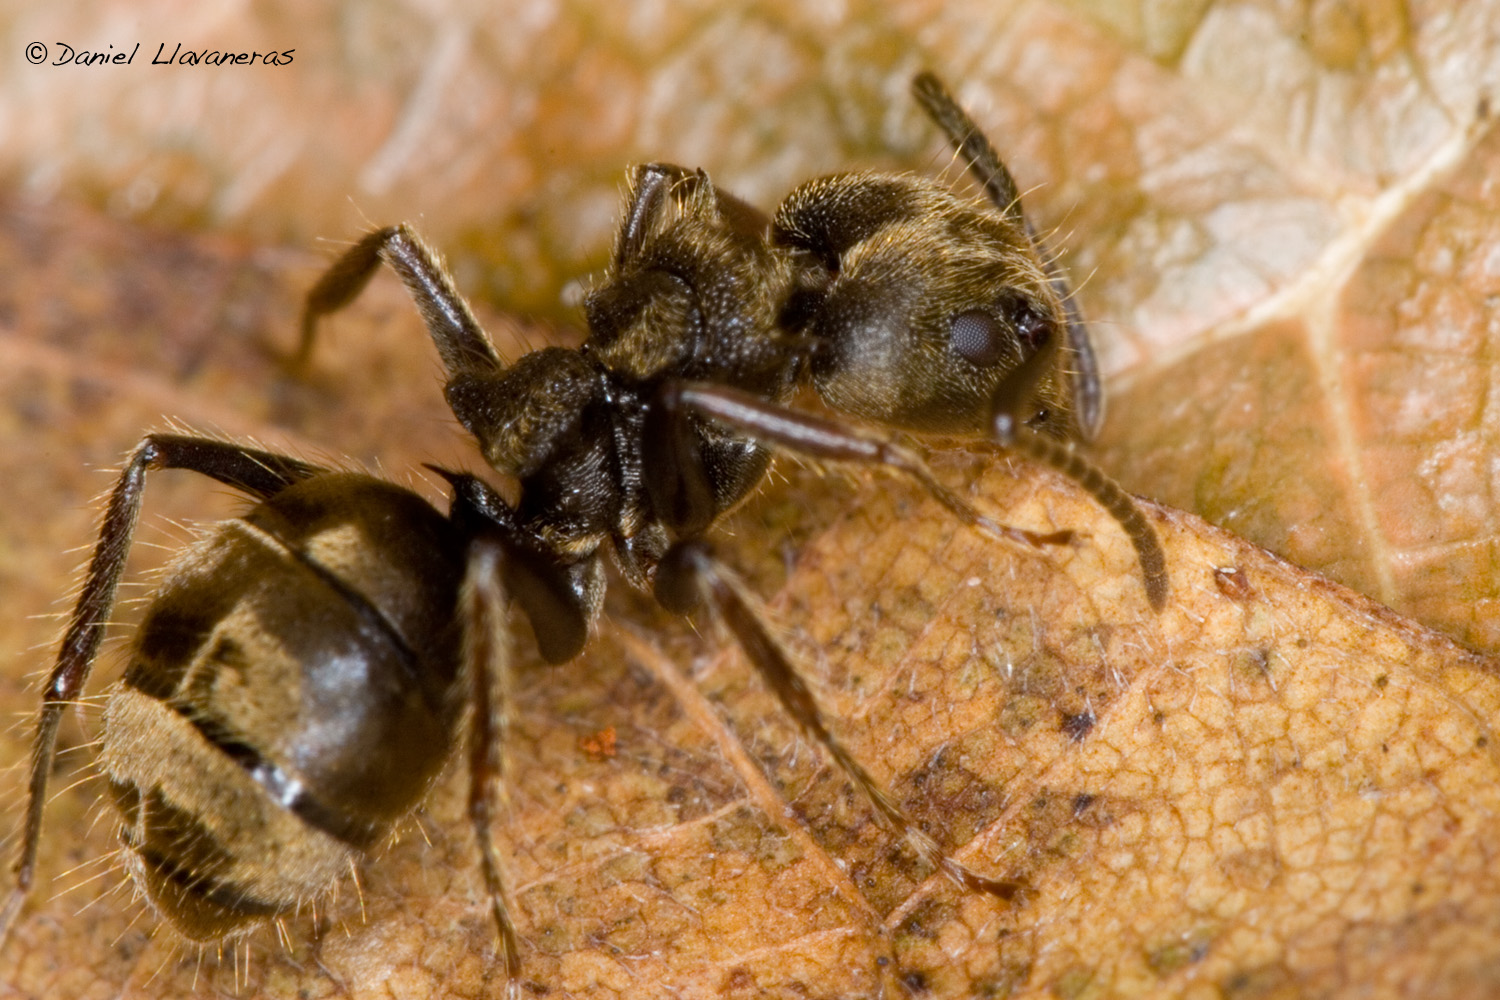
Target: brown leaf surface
1288, 214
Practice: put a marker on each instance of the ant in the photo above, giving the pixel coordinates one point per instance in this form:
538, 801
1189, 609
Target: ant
301, 678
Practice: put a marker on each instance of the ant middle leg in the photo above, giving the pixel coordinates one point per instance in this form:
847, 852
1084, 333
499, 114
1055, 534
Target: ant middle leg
688, 575
650, 184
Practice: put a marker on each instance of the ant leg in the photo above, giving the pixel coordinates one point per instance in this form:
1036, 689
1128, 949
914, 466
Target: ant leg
560, 599
815, 437
487, 663
819, 437
688, 574
461, 342
648, 187
261, 474
987, 167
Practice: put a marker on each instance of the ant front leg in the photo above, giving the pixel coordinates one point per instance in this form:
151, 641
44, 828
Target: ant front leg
687, 576
261, 474
461, 341
812, 436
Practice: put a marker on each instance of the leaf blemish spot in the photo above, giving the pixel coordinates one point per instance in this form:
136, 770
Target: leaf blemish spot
1233, 583
1078, 725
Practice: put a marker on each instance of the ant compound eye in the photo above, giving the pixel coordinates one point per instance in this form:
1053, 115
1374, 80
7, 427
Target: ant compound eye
976, 336
1032, 326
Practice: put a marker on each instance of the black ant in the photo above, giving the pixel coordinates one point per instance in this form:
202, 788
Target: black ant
299, 680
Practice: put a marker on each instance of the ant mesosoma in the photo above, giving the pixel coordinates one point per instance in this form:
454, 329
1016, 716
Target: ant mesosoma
298, 682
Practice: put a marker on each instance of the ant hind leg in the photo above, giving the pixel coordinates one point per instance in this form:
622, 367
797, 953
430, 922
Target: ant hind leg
261, 474
690, 574
461, 341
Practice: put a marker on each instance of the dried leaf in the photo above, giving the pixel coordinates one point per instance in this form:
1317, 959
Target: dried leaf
1274, 788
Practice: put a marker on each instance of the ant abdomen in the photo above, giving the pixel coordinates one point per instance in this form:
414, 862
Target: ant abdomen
290, 696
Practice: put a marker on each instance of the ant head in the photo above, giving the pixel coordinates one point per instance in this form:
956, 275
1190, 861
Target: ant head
928, 302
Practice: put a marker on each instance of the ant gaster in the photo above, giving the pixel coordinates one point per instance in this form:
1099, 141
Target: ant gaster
299, 680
